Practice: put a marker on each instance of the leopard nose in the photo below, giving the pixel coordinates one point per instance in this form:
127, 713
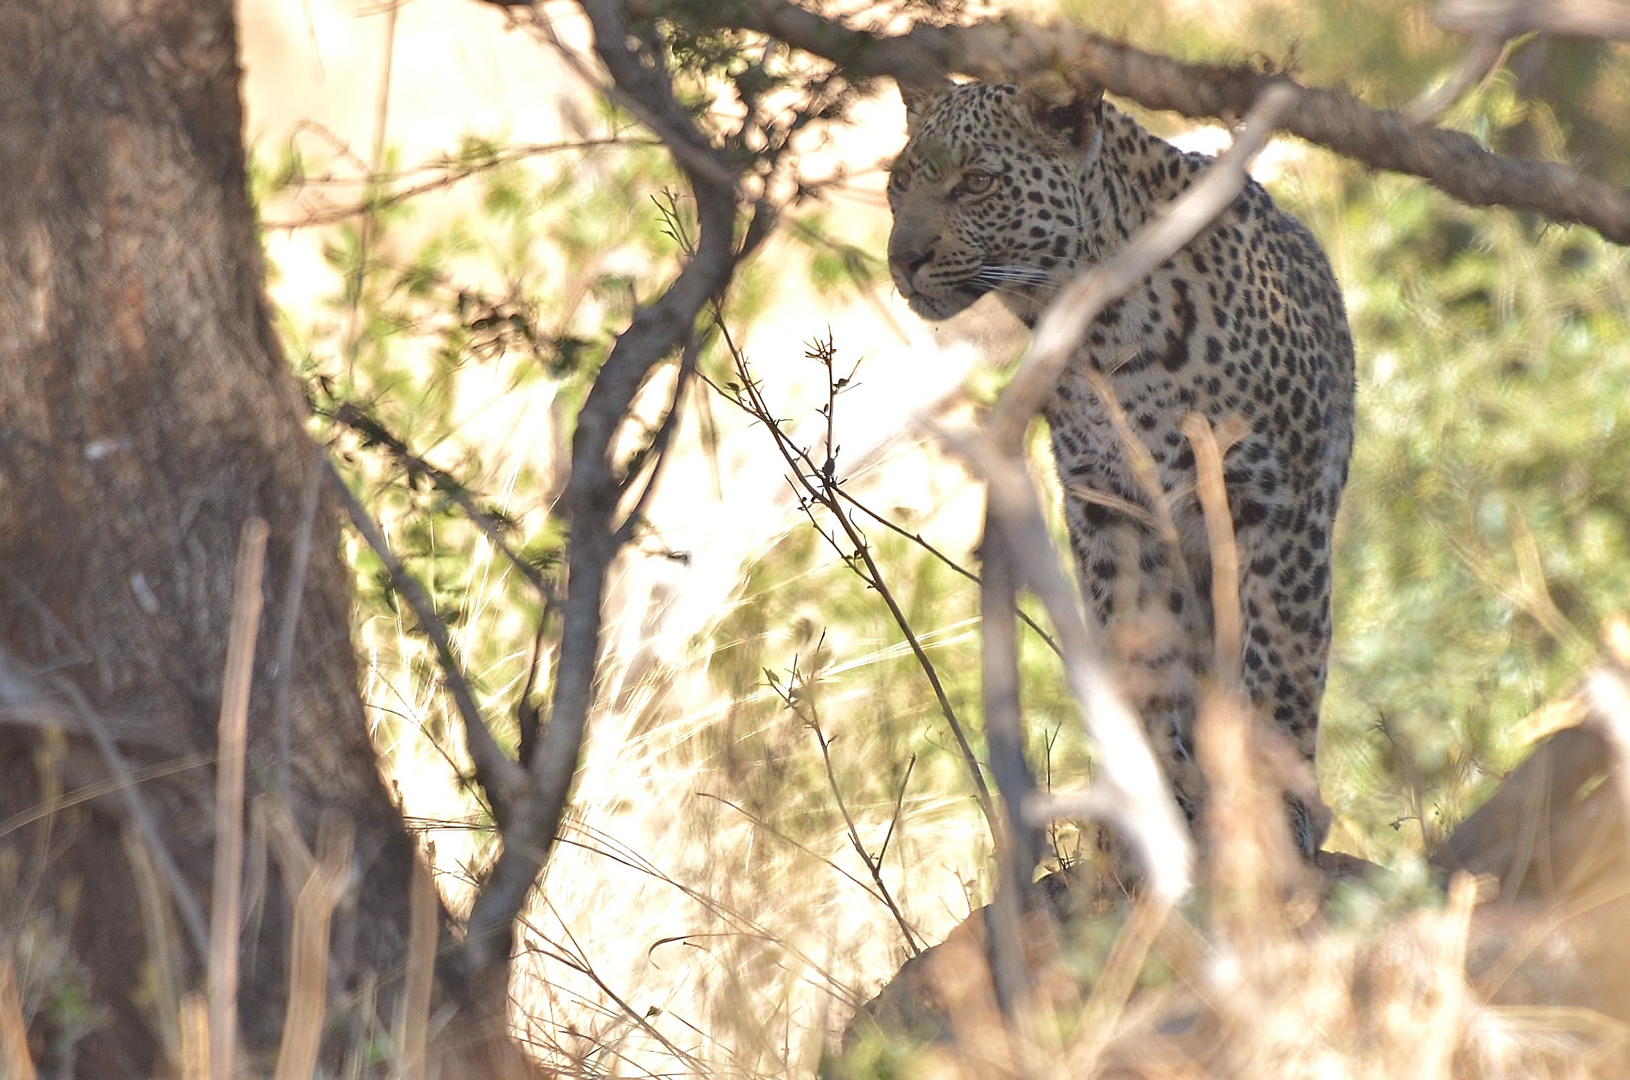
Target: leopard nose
903, 266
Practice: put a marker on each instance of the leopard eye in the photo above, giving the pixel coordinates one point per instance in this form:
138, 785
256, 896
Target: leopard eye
976, 182
898, 179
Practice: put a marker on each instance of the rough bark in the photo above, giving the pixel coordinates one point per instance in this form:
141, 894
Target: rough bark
145, 413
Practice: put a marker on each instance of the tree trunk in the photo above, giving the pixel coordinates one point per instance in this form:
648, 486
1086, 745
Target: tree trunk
145, 413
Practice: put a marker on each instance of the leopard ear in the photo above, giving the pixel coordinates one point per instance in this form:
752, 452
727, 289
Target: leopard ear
917, 96
1062, 108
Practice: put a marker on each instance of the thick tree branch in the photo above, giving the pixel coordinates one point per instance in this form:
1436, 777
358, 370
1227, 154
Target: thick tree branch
1382, 139
594, 490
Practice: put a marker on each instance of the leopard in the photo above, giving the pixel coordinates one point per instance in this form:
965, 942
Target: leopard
1015, 189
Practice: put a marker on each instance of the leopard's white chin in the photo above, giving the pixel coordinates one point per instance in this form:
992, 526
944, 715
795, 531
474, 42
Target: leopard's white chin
941, 307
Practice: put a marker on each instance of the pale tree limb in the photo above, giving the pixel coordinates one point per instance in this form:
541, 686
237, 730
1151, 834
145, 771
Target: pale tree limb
1130, 791
1484, 54
1229, 623
1010, 48
308, 963
1608, 19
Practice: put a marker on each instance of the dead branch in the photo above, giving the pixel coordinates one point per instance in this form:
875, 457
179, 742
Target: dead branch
874, 864
1130, 791
1503, 19
820, 486
1380, 138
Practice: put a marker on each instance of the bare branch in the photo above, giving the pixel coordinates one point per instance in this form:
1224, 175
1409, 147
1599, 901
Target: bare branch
874, 864
1503, 19
354, 417
1137, 799
231, 740
594, 490
820, 487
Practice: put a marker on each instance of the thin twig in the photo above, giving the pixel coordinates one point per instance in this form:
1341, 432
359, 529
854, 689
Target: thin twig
373, 432
498, 776
823, 492
899, 805
791, 696
657, 453
453, 171
946, 560
229, 763
125, 783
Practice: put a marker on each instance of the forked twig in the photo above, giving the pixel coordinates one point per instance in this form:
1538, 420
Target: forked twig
308, 966
795, 695
820, 486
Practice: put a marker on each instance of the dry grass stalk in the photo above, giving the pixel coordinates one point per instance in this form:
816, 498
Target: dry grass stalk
414, 1015
226, 905
1228, 621
194, 1037
308, 967
14, 1055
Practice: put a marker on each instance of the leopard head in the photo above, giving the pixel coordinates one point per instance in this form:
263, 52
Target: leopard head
989, 193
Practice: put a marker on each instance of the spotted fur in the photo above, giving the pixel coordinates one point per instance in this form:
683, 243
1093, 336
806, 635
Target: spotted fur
1014, 191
